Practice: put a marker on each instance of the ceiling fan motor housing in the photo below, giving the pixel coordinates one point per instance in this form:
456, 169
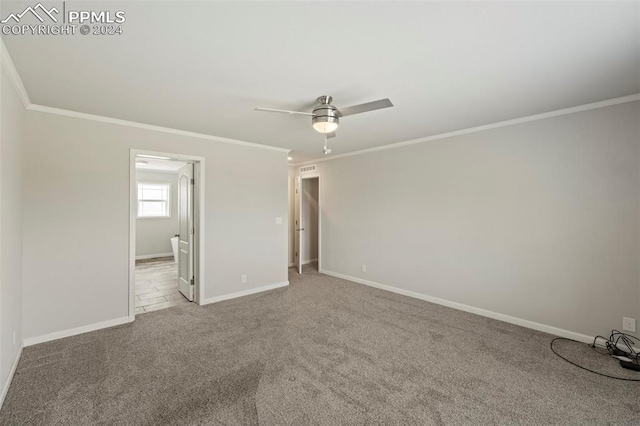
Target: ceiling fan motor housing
325, 116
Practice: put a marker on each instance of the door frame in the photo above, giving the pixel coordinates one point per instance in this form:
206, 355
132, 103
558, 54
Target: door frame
298, 181
198, 221
186, 284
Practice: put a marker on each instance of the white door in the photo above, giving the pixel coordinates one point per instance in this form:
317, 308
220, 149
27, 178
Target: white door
299, 228
185, 242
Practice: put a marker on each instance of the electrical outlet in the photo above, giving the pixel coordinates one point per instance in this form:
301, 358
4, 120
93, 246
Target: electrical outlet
629, 324
364, 268
244, 279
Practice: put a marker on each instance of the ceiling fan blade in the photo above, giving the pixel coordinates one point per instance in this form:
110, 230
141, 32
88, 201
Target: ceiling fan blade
331, 135
369, 106
284, 111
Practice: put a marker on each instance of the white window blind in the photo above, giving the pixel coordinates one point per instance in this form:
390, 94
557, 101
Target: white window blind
154, 199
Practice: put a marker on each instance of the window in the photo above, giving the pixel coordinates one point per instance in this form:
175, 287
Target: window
154, 199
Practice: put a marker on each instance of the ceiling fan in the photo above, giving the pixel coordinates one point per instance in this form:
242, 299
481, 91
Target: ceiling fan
326, 117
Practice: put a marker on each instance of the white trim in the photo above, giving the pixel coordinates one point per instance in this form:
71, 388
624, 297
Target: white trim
291, 265
535, 117
75, 331
199, 221
151, 256
170, 172
133, 201
14, 77
109, 120
12, 372
244, 293
306, 262
199, 215
472, 309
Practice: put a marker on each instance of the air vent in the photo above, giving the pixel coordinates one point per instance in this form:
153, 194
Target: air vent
307, 169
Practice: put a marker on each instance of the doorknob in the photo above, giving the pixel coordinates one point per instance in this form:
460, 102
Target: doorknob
177, 235
300, 229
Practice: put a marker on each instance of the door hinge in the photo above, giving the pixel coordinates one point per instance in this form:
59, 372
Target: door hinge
193, 281
193, 181
193, 231
296, 254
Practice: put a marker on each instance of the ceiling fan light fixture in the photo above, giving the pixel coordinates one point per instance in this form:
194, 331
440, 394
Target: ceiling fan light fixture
325, 116
325, 124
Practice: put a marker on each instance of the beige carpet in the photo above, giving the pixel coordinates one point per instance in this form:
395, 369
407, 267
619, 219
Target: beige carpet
322, 351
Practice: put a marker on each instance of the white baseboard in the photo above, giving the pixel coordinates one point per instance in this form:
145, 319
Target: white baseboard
123, 320
151, 256
472, 309
75, 331
244, 293
5, 388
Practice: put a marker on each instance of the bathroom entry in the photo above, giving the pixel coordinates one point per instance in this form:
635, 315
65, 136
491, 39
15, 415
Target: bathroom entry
307, 223
165, 232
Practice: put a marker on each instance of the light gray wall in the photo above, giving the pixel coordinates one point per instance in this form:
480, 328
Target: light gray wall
76, 218
12, 114
310, 219
153, 235
539, 221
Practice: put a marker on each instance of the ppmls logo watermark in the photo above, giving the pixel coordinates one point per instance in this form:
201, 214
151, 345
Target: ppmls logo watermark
61, 20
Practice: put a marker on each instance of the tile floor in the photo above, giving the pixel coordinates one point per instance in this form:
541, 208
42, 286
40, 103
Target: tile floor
157, 285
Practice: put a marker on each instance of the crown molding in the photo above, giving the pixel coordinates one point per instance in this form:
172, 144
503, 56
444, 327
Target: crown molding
109, 120
14, 77
527, 119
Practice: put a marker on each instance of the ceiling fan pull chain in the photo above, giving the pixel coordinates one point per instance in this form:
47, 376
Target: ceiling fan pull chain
326, 150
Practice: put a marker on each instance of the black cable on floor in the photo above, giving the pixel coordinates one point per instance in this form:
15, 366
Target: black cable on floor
584, 368
627, 339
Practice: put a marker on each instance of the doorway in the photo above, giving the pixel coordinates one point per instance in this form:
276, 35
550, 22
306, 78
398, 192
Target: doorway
308, 224
166, 231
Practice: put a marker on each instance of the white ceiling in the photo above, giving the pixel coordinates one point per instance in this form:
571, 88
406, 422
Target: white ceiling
203, 67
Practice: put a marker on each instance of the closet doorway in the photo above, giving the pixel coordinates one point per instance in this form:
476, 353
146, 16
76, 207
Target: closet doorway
307, 223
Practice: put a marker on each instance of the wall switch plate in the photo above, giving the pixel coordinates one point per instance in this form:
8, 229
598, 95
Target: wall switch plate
629, 324
244, 279
364, 268
278, 220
